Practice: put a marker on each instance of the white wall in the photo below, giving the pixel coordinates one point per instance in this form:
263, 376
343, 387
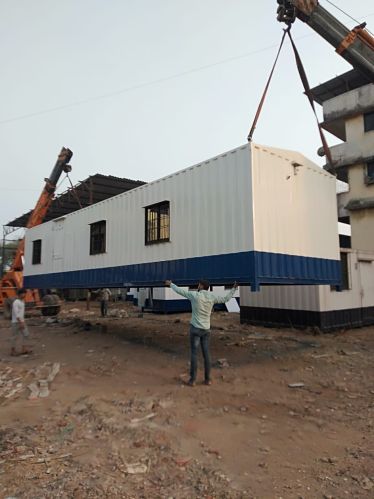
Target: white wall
210, 213
169, 294
294, 208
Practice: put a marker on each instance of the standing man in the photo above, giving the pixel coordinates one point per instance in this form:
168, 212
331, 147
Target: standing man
104, 295
202, 302
19, 328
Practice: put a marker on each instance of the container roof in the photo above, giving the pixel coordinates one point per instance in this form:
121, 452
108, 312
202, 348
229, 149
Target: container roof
339, 85
90, 191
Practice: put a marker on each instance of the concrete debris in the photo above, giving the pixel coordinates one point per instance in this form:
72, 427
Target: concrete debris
136, 468
43, 388
34, 389
40, 388
51, 320
54, 371
296, 385
9, 385
115, 312
137, 421
222, 363
165, 404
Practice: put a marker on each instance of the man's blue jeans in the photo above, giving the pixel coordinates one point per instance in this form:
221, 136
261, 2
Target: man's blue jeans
199, 337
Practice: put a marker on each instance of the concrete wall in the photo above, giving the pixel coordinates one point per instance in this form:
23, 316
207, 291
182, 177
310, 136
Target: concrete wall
359, 145
349, 104
354, 154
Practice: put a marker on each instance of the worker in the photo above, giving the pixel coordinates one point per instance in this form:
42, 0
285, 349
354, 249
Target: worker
202, 303
104, 296
19, 328
88, 299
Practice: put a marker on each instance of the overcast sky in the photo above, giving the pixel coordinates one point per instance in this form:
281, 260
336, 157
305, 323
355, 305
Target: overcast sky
142, 88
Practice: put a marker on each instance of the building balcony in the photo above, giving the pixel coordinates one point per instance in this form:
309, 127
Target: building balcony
353, 153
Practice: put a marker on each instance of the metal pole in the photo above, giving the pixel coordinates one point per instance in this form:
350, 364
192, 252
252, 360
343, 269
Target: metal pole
3, 253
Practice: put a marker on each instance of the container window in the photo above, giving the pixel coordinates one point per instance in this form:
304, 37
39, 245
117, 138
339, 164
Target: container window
369, 121
369, 178
157, 223
36, 251
98, 238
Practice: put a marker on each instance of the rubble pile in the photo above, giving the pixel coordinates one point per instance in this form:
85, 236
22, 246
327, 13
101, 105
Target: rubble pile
106, 448
15, 380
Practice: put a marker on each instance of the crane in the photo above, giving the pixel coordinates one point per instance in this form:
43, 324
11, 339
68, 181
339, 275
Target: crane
13, 278
356, 46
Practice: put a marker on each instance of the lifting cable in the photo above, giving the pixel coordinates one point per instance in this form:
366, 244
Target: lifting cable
259, 109
74, 191
308, 93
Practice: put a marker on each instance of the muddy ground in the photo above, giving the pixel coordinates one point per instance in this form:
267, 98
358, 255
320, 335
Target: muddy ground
119, 422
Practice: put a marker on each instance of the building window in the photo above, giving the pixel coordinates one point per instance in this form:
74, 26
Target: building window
345, 271
342, 175
98, 238
345, 276
369, 177
369, 121
157, 223
36, 251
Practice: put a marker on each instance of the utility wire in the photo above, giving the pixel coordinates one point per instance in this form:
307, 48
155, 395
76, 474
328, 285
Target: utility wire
142, 85
346, 14
343, 11
160, 80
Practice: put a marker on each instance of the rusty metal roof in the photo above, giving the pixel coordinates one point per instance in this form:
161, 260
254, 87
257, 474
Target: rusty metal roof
94, 189
339, 85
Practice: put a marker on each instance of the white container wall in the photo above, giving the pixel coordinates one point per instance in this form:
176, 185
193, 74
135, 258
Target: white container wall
255, 215
321, 306
167, 300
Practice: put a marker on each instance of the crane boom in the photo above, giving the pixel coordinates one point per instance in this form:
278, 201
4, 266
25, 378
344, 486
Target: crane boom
13, 279
356, 46
44, 201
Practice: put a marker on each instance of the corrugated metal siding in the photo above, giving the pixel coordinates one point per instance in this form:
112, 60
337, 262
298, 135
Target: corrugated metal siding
319, 298
210, 212
282, 297
284, 198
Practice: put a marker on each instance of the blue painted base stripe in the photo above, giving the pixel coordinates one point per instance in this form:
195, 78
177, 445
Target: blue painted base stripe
249, 268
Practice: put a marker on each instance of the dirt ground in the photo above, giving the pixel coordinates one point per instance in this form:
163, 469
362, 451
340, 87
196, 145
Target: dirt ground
289, 415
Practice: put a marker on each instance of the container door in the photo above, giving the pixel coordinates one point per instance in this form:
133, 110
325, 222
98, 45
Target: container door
58, 246
367, 291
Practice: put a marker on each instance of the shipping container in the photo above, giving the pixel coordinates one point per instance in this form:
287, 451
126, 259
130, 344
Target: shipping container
325, 307
256, 215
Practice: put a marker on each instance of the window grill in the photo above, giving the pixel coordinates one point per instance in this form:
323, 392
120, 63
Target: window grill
157, 223
98, 238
